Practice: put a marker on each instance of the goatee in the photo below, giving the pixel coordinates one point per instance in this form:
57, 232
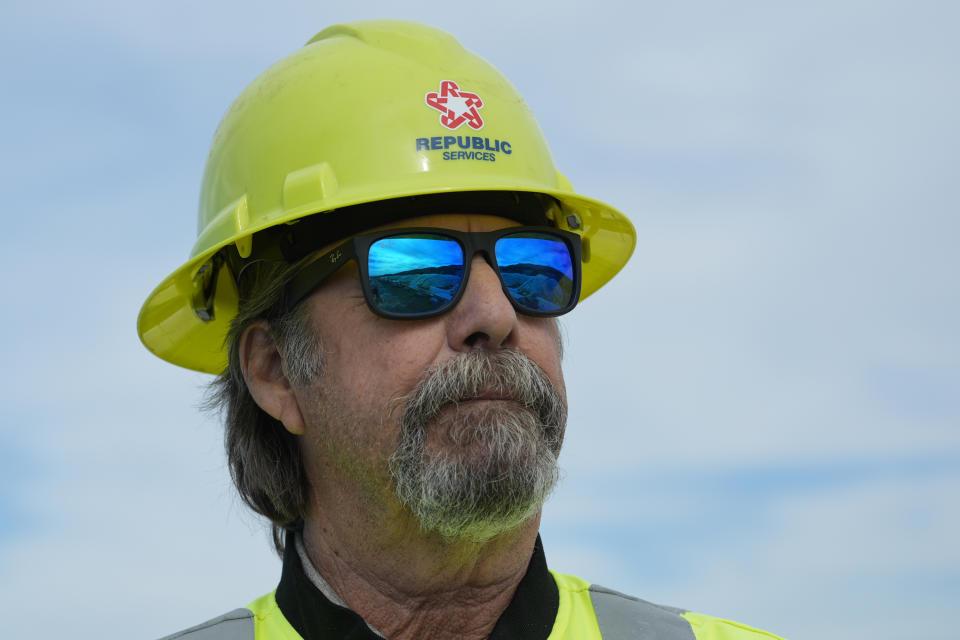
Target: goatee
500, 462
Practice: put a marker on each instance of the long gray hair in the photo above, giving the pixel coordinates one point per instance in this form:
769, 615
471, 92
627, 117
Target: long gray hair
264, 458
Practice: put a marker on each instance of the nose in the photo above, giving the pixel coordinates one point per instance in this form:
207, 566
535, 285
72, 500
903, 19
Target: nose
484, 317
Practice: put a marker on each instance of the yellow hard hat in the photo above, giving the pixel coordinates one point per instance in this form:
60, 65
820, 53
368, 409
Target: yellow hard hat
365, 111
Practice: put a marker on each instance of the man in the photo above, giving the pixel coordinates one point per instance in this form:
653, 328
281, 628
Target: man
384, 247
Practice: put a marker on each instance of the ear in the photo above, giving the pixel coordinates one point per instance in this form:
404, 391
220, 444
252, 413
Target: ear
262, 369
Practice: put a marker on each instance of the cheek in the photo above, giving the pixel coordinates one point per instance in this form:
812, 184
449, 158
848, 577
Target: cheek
542, 344
372, 358
384, 360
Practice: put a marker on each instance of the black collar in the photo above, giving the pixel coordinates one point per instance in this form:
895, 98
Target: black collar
529, 616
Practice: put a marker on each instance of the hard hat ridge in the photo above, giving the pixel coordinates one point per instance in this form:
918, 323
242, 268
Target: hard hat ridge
413, 40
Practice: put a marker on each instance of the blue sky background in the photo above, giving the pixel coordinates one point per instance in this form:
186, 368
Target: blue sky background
765, 404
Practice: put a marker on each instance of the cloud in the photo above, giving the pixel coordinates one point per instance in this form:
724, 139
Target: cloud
768, 547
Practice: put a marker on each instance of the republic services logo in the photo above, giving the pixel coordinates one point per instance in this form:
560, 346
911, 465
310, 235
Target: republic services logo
456, 107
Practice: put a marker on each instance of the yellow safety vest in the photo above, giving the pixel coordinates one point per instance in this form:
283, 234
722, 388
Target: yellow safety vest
585, 612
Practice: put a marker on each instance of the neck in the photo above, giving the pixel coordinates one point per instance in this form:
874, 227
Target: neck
409, 584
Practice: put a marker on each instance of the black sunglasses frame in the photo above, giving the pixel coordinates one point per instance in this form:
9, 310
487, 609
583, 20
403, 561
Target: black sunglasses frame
357, 249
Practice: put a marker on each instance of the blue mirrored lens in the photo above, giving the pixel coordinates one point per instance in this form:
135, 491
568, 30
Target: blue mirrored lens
414, 274
537, 270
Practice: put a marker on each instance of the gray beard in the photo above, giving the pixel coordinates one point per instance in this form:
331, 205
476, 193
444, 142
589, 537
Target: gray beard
500, 461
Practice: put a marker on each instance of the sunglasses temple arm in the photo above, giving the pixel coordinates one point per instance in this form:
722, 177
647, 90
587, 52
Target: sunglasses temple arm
312, 275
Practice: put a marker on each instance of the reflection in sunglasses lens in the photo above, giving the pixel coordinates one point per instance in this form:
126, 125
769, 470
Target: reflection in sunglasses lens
415, 274
537, 270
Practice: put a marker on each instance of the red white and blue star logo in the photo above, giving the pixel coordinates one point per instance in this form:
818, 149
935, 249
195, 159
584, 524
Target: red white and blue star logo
456, 107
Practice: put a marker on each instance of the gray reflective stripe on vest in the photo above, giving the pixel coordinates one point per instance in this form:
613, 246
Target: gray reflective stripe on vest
623, 617
236, 625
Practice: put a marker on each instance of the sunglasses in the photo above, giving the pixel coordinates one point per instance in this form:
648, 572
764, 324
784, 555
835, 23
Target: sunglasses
422, 272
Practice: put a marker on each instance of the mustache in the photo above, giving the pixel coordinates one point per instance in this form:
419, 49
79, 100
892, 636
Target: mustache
505, 374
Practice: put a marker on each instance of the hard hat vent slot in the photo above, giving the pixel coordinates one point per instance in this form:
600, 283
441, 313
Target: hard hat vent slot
309, 185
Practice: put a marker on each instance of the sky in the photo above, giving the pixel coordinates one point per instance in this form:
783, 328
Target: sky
764, 404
